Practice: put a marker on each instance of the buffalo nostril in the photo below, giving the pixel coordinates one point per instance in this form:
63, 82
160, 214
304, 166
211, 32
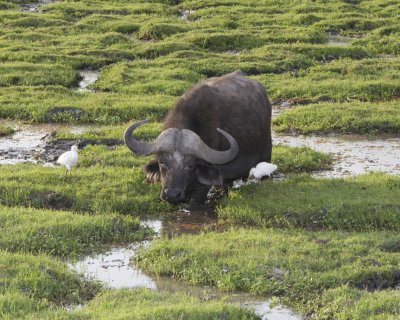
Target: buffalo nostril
173, 195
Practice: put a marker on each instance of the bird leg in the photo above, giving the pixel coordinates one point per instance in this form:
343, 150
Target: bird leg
66, 174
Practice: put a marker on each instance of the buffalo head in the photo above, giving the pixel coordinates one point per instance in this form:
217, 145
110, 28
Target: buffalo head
182, 160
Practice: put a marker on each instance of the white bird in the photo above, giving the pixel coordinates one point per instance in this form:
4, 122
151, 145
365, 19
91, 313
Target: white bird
262, 169
69, 158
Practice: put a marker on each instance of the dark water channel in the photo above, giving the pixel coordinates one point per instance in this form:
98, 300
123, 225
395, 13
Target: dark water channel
114, 270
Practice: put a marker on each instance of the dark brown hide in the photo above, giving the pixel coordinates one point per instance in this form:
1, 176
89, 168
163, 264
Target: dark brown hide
236, 104
233, 103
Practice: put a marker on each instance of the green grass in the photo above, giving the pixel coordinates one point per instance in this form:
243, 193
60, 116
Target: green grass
300, 159
345, 117
349, 303
94, 189
148, 56
364, 80
5, 130
26, 103
43, 279
123, 304
367, 202
111, 180
293, 264
145, 304
62, 233
282, 44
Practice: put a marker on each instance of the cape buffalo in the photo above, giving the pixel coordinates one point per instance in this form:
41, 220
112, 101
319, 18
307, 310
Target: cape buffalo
217, 131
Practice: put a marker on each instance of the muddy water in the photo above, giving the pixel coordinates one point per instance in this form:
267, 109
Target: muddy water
28, 142
114, 270
354, 154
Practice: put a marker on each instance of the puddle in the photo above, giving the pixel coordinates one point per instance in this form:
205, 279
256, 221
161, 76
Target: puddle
34, 7
112, 268
28, 143
88, 77
337, 40
355, 154
185, 14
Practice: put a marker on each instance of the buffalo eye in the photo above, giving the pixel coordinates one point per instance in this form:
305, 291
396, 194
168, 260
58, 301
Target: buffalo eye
163, 164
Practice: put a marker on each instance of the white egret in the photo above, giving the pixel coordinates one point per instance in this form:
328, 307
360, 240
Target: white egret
69, 159
262, 169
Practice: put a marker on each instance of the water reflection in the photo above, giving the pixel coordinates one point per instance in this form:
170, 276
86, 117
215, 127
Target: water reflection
88, 78
28, 142
354, 154
114, 270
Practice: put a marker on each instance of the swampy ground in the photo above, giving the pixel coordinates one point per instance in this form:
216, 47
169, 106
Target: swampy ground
327, 247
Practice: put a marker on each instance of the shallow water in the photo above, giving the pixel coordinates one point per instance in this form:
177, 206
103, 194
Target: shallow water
337, 40
34, 7
185, 14
88, 77
112, 268
354, 154
28, 142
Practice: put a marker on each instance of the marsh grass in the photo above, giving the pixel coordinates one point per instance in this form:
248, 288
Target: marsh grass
42, 278
146, 304
62, 233
293, 264
346, 302
148, 54
146, 132
364, 80
93, 189
96, 185
345, 117
5, 130
122, 304
300, 159
366, 202
27, 103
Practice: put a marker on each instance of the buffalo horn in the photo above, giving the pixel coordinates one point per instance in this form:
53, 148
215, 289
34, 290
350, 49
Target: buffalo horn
192, 144
137, 147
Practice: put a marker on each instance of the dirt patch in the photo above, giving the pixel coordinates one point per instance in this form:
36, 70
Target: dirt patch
380, 281
50, 200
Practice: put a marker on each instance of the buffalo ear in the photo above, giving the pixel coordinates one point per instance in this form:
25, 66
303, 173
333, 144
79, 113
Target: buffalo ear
152, 171
209, 175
